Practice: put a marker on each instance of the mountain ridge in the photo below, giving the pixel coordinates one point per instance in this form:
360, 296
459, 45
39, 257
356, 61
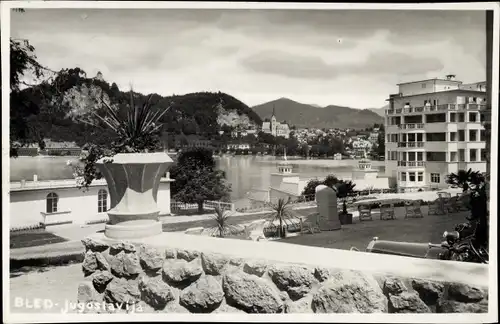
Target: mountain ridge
313, 116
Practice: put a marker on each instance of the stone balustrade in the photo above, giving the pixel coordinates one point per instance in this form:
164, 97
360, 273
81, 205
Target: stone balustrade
178, 273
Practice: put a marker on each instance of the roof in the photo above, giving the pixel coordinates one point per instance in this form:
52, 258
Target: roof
430, 93
57, 184
434, 79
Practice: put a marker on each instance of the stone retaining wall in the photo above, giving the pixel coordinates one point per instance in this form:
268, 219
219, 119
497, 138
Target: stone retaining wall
138, 276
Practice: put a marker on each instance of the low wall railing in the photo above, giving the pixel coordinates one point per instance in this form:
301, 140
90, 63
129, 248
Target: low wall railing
176, 206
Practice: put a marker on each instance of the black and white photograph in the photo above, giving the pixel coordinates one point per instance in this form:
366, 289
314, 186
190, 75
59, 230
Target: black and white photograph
232, 161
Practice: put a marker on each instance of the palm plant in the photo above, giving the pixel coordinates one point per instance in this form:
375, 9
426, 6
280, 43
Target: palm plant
344, 190
465, 179
140, 126
282, 213
138, 132
221, 218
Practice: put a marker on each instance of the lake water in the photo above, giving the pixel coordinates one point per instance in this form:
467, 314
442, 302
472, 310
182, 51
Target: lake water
245, 173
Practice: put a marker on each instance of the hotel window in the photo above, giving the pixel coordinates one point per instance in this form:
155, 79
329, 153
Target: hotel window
472, 117
453, 117
435, 178
453, 156
482, 135
394, 155
483, 155
473, 135
473, 155
411, 176
461, 155
52, 200
420, 156
482, 118
102, 201
423, 85
461, 135
461, 117
453, 136
420, 177
403, 176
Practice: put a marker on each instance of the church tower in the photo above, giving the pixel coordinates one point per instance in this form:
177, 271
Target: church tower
273, 122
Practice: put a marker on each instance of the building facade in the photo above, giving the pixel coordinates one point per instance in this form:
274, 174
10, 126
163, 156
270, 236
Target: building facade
276, 128
433, 128
61, 202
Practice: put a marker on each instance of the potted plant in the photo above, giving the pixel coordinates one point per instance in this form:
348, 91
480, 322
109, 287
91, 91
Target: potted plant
344, 190
131, 166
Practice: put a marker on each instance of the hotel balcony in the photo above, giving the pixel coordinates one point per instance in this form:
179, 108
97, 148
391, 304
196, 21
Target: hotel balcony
411, 164
411, 126
411, 144
434, 108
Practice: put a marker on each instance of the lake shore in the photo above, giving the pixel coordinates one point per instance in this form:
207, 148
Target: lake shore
324, 163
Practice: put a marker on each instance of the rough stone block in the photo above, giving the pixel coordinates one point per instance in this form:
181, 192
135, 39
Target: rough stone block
155, 292
428, 291
187, 255
100, 279
93, 245
297, 281
394, 286
203, 296
349, 292
181, 272
407, 302
150, 259
89, 265
251, 293
122, 291
255, 267
465, 293
213, 263
125, 265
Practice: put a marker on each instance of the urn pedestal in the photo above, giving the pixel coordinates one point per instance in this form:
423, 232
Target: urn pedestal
133, 180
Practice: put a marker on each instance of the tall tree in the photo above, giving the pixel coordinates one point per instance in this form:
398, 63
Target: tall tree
196, 178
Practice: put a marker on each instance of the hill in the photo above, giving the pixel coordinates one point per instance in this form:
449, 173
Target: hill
60, 110
303, 115
379, 111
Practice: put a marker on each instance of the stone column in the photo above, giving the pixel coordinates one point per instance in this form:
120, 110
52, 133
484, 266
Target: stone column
326, 199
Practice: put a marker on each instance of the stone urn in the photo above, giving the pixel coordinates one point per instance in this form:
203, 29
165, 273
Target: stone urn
133, 180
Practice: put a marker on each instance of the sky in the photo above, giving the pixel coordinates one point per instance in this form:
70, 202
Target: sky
323, 57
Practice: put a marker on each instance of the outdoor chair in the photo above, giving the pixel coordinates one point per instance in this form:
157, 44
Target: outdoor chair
448, 205
444, 194
365, 212
387, 212
413, 209
436, 207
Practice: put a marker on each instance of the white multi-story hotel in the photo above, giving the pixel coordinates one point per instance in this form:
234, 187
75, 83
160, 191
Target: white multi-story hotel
433, 128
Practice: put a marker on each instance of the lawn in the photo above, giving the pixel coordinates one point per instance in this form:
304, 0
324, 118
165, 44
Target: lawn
33, 238
420, 230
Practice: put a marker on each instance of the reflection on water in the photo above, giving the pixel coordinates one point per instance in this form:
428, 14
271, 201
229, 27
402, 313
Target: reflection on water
243, 172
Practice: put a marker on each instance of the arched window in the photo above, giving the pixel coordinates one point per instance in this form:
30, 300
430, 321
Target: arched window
102, 201
52, 200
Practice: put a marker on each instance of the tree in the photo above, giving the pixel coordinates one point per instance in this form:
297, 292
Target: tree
465, 179
196, 178
331, 181
380, 147
344, 190
310, 188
